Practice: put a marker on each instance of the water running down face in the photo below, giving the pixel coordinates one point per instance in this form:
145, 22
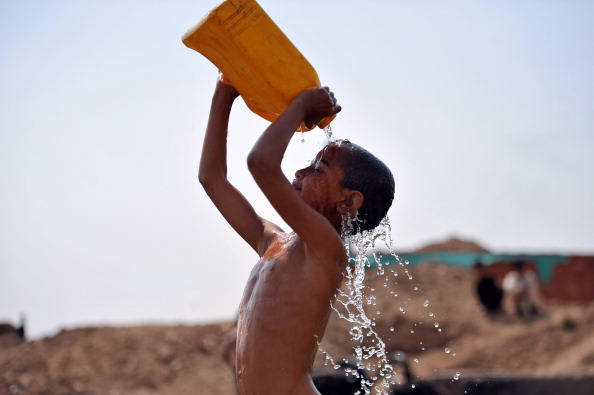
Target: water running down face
320, 183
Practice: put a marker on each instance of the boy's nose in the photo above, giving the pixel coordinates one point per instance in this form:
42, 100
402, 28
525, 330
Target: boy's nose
299, 173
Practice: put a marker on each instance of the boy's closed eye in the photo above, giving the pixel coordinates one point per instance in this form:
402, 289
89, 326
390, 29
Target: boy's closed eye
317, 163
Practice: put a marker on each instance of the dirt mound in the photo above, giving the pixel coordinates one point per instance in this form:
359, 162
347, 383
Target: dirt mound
187, 359
453, 244
114, 361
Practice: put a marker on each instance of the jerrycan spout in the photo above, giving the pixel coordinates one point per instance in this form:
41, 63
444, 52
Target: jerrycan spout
267, 70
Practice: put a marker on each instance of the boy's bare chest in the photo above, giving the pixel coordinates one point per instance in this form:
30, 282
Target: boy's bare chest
285, 246
284, 256
283, 264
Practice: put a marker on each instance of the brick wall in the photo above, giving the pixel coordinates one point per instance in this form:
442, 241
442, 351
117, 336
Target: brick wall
573, 281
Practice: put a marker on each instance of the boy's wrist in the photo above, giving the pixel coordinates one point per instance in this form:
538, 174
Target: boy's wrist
225, 93
299, 107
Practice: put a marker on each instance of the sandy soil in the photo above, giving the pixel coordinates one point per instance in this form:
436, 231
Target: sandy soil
187, 359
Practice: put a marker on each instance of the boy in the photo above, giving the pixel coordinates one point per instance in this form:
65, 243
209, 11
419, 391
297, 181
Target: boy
286, 302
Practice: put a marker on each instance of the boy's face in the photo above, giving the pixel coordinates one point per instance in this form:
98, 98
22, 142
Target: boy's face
319, 183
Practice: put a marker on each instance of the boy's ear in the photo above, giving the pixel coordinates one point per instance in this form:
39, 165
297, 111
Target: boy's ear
352, 201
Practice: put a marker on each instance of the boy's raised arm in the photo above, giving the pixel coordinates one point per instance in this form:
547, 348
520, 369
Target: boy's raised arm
264, 162
212, 173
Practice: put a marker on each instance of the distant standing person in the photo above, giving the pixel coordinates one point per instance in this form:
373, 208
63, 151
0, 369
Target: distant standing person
489, 292
521, 285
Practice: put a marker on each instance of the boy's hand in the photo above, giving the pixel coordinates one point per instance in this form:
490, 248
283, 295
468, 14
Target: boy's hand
318, 104
223, 84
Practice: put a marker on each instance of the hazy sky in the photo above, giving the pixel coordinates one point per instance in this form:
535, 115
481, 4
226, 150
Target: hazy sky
482, 109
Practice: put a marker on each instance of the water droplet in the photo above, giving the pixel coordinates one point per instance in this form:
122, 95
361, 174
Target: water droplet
457, 376
391, 329
416, 360
426, 303
447, 350
436, 325
431, 315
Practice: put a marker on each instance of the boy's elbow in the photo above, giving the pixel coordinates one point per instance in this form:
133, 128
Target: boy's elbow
257, 164
202, 179
253, 161
207, 178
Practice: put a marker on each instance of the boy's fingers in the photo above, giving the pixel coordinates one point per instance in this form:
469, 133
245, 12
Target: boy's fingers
334, 100
319, 107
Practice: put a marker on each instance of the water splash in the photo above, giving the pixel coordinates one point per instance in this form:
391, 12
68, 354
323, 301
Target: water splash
350, 301
353, 299
369, 348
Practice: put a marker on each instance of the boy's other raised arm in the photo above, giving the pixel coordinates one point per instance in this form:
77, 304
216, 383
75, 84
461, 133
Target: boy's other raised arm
265, 159
212, 173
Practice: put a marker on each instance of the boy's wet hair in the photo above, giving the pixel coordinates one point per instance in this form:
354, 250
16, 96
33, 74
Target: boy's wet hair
367, 174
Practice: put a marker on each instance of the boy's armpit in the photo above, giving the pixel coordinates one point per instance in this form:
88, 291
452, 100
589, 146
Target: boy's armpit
271, 231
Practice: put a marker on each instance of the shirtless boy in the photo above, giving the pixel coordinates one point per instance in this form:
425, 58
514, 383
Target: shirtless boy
286, 302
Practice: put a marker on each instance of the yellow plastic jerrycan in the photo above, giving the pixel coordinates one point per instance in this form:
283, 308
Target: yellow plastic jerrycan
251, 51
